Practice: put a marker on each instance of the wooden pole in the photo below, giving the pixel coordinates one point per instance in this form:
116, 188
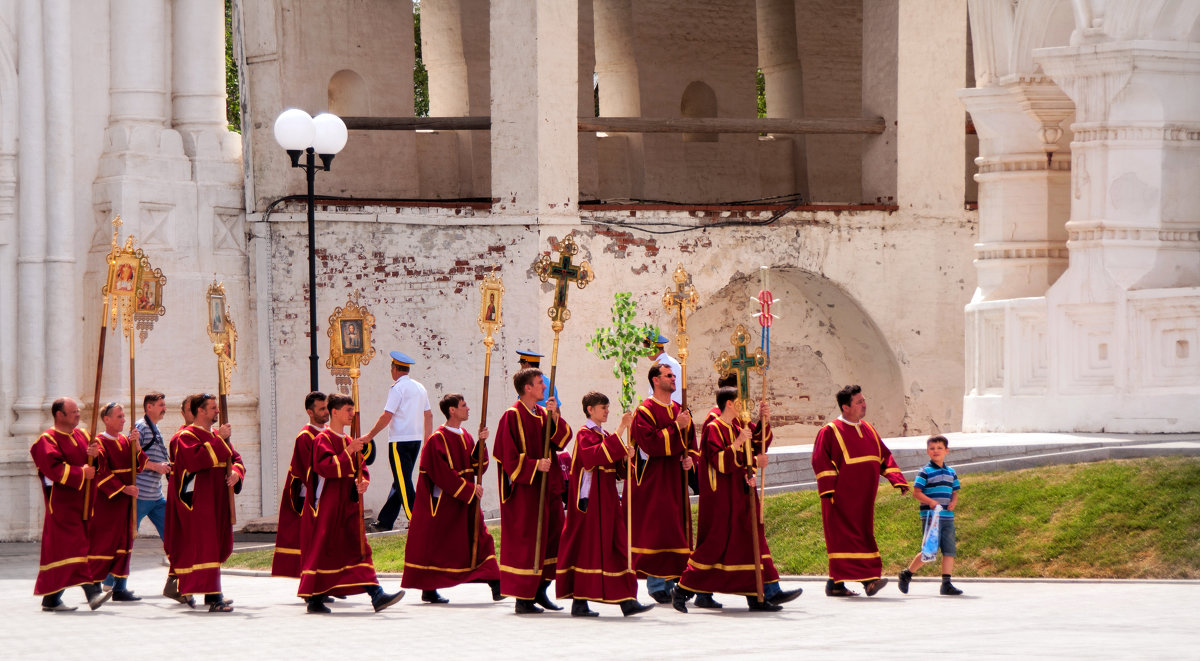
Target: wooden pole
762, 477
711, 125
133, 471
358, 464
87, 484
538, 547
223, 419
477, 504
629, 475
758, 578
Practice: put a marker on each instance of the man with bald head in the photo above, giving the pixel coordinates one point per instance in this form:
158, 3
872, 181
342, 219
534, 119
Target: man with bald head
62, 455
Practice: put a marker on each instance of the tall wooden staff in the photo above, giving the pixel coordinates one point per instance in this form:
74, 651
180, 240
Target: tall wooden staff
491, 291
563, 273
350, 348
765, 300
223, 334
742, 363
108, 284
680, 301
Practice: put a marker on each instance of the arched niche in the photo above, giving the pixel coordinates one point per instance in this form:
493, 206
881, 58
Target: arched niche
822, 340
348, 95
699, 100
1039, 25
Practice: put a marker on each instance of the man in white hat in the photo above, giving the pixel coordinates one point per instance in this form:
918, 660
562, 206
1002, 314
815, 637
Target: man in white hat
409, 420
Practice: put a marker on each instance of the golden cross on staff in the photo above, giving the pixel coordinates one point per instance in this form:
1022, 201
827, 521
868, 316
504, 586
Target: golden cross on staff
350, 348
742, 362
223, 335
681, 300
564, 273
491, 293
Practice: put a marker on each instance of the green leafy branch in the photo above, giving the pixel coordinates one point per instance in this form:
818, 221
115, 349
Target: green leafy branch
622, 343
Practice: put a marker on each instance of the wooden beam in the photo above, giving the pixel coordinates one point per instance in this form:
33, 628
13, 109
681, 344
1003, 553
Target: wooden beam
808, 126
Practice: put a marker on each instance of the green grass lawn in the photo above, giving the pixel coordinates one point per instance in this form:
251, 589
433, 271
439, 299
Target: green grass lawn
1137, 518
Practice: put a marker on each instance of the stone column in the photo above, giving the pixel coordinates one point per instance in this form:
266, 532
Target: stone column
198, 70
779, 60
1024, 186
931, 140
535, 78
31, 256
880, 44
617, 75
139, 55
1135, 213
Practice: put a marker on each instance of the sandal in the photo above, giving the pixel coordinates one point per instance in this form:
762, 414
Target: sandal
220, 607
842, 591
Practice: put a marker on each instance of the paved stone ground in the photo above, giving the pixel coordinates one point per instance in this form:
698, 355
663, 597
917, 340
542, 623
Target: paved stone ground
994, 619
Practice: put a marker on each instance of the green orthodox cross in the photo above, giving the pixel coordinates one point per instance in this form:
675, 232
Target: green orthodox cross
742, 362
563, 272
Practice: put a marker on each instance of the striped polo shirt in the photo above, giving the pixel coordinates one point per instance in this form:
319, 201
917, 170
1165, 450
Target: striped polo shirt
938, 483
149, 483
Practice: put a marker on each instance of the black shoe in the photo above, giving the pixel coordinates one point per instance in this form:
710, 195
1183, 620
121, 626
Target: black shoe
375, 526
707, 601
543, 600
784, 596
171, 591
905, 577
124, 595
495, 586
949, 590
432, 597
764, 606
95, 596
873, 587
579, 608
838, 589
661, 596
382, 600
633, 607
527, 607
679, 598
316, 606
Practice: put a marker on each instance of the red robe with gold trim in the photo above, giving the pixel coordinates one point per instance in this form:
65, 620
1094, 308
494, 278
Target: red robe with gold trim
111, 527
60, 459
201, 530
336, 556
286, 561
660, 502
724, 557
848, 460
517, 449
437, 553
592, 562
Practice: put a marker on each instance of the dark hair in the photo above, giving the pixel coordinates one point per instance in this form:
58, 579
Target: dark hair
937, 439
196, 402
846, 394
403, 369
591, 399
525, 377
337, 400
108, 409
724, 396
151, 397
58, 406
311, 399
186, 404
450, 401
727, 380
655, 372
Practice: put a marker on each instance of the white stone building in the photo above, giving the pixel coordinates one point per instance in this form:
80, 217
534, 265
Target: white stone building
1086, 242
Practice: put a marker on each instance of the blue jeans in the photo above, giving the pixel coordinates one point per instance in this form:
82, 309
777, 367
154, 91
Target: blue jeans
656, 584
157, 511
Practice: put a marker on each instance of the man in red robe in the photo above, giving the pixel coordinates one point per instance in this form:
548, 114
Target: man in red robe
61, 455
286, 561
729, 515
205, 469
336, 555
446, 519
111, 525
848, 457
524, 465
592, 557
662, 511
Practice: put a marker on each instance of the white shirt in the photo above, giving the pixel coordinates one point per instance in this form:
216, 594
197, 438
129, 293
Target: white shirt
664, 359
407, 402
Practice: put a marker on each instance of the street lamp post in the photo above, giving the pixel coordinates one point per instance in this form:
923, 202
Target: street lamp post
324, 136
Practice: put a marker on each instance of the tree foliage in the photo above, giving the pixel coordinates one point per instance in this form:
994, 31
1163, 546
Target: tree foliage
233, 99
622, 343
420, 75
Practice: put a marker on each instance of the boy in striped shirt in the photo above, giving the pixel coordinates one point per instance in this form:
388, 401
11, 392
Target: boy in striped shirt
936, 484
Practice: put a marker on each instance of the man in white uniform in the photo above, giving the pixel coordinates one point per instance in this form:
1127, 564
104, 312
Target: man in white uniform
409, 420
659, 356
